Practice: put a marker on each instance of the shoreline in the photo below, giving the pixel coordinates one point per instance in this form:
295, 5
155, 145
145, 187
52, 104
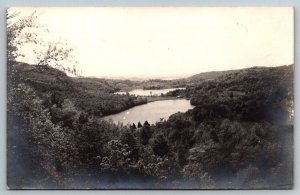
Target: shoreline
161, 98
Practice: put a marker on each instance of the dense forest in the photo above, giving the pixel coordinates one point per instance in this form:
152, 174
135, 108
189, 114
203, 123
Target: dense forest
239, 135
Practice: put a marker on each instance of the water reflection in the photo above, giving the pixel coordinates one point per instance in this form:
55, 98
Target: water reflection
151, 112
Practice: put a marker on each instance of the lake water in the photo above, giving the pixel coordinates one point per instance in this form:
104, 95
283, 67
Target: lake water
152, 112
142, 92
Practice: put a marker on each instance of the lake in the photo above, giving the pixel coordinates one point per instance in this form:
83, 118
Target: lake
154, 92
152, 112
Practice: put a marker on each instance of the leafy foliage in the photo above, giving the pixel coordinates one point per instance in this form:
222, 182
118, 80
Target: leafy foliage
25, 34
230, 136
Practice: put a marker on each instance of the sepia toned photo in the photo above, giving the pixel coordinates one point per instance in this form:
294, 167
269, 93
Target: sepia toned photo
150, 97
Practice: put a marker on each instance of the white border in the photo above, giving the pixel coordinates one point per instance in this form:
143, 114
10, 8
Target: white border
78, 3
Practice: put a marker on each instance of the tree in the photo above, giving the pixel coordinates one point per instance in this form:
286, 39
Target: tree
160, 145
145, 134
57, 54
195, 172
146, 123
139, 124
117, 158
152, 165
178, 121
18, 33
25, 32
127, 137
133, 126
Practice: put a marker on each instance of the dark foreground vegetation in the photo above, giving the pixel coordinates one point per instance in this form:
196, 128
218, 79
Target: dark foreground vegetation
239, 135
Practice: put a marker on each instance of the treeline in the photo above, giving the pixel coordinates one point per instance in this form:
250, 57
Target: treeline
163, 84
115, 85
215, 145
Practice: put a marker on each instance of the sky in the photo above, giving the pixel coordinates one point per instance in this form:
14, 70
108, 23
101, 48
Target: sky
170, 42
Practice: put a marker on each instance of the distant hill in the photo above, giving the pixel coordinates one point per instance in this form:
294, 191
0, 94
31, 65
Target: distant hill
46, 77
209, 75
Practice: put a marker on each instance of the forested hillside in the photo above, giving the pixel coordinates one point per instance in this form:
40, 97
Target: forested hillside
254, 94
90, 95
239, 135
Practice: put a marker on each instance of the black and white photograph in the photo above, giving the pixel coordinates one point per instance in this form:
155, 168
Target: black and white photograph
108, 98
